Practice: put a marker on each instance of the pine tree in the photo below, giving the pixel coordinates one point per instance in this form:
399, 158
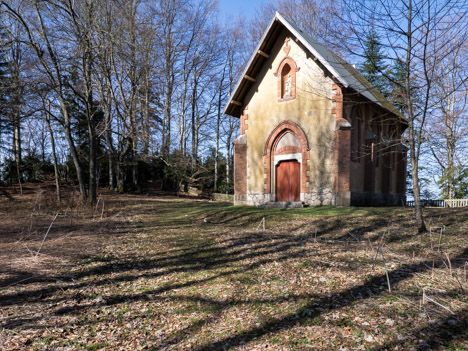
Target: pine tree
396, 91
374, 68
397, 77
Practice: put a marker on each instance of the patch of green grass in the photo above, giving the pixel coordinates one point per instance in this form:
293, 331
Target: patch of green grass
47, 340
95, 347
313, 264
344, 322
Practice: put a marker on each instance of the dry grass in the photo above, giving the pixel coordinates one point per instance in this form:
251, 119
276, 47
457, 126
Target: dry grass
165, 273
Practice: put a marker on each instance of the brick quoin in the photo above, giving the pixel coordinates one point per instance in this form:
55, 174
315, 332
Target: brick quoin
342, 157
342, 149
243, 120
240, 168
337, 102
270, 147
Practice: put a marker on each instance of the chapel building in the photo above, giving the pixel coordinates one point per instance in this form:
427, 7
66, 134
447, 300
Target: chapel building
313, 130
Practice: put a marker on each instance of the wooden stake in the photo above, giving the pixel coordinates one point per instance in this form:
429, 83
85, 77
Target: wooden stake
450, 263
45, 236
426, 298
262, 223
440, 238
102, 212
386, 271
430, 234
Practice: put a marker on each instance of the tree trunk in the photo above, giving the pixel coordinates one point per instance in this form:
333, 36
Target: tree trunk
120, 176
421, 225
110, 149
228, 162
134, 166
450, 160
146, 118
74, 155
194, 126
166, 138
54, 156
17, 148
93, 168
16, 101
411, 119
218, 122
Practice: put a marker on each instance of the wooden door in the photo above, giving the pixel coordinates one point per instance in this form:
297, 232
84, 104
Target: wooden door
288, 179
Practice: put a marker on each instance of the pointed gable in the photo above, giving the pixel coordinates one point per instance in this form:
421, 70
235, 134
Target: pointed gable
342, 72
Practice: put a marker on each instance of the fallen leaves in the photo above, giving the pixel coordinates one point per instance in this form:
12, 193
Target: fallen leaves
155, 278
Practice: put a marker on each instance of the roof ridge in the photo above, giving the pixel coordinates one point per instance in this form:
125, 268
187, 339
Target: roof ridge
347, 75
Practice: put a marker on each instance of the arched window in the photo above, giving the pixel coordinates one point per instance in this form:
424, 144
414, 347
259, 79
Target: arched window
286, 75
286, 82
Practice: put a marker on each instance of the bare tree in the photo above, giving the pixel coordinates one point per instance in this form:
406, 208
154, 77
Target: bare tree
52, 146
104, 41
409, 30
447, 129
236, 57
168, 33
320, 19
16, 88
38, 37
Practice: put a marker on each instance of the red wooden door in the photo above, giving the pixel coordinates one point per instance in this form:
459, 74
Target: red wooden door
288, 180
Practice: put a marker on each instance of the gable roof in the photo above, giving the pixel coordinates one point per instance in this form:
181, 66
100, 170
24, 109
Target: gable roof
346, 74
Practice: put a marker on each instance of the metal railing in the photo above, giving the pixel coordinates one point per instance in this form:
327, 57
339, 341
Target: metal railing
440, 203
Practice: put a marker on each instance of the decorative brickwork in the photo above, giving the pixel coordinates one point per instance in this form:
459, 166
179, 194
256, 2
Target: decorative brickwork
288, 150
270, 150
243, 120
342, 150
293, 69
337, 102
240, 170
286, 47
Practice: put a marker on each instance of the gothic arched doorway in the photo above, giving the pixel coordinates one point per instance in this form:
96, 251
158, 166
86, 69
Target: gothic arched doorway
285, 157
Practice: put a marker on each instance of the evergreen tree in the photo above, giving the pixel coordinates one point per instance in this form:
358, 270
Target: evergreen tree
459, 175
397, 78
373, 68
397, 91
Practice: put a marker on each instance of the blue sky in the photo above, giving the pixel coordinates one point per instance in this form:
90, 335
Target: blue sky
235, 8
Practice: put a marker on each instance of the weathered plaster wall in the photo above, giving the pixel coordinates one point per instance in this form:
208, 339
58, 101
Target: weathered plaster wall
311, 110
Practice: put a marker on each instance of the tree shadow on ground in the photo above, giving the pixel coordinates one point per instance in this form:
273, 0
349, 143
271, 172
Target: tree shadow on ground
222, 258
436, 333
372, 287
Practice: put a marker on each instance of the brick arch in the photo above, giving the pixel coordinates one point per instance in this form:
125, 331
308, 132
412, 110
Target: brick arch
287, 61
270, 147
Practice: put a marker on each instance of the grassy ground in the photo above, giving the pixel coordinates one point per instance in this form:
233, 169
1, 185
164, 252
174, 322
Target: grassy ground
165, 273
